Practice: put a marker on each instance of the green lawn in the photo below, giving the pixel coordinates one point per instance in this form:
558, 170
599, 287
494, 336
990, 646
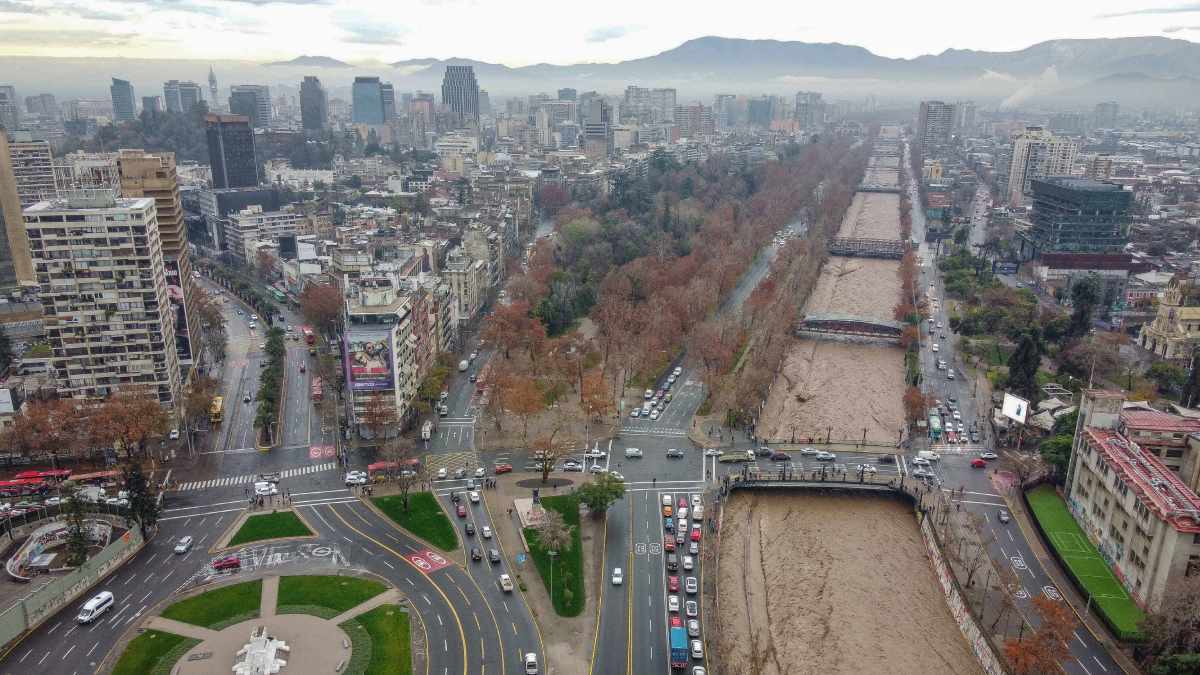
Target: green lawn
423, 518
219, 607
568, 595
153, 652
275, 525
1084, 563
381, 642
324, 596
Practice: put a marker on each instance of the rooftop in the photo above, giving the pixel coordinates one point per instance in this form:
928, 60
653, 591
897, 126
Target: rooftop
1156, 486
1156, 420
1082, 184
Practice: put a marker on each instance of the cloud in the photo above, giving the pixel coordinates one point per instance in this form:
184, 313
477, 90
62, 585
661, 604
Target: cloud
360, 30
70, 38
89, 13
606, 33
1175, 9
1179, 29
12, 7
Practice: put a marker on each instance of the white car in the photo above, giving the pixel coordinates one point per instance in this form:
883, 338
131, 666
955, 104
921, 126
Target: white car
506, 583
174, 435
653, 415
356, 478
678, 371
265, 489
673, 604
697, 649
691, 608
635, 413
473, 496
934, 347
694, 547
441, 473
713, 452
480, 472
808, 451
648, 394
667, 499
595, 452
919, 461
823, 456
184, 545
618, 576
695, 500
988, 455
485, 532
691, 586
254, 317
866, 468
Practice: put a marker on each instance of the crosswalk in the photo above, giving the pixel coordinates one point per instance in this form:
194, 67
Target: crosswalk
642, 431
251, 477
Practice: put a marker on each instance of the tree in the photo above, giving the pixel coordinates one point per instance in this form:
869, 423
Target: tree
212, 323
915, 405
401, 453
48, 427
553, 532
379, 415
601, 492
264, 263
129, 418
1042, 651
7, 354
321, 305
548, 448
1174, 629
1167, 375
1190, 397
1023, 366
524, 399
1086, 294
143, 502
197, 401
1177, 664
595, 397
77, 544
1056, 451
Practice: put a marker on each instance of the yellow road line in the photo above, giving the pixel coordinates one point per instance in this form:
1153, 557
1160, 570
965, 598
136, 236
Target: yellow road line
541, 647
600, 594
629, 601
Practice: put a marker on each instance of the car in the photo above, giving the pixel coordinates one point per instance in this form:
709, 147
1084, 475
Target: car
934, 347
678, 371
978, 463
473, 496
668, 544
173, 435
265, 489
960, 428
505, 583
493, 556
572, 465
93, 608
887, 459
691, 586
974, 436
950, 436
246, 398
648, 394
866, 468
696, 532
806, 451
269, 477
54, 501
1002, 516
356, 478
668, 524
674, 453
596, 468
531, 666
691, 608
694, 548
183, 545
653, 415
673, 603
229, 562
503, 468
676, 622
682, 513
469, 528
939, 324
693, 629
780, 457
763, 451
476, 554
618, 577
680, 533
920, 461
254, 317
461, 510
668, 499
688, 563
988, 455
442, 473
824, 456
635, 413
633, 452
460, 473
473, 356
956, 415
672, 584
668, 511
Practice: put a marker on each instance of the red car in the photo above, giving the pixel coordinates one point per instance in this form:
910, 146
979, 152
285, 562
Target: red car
683, 502
503, 468
978, 463
229, 562
950, 437
676, 621
696, 533
462, 510
672, 584
669, 545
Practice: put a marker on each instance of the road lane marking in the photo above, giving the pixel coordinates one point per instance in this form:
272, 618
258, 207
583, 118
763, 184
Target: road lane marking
31, 651
54, 628
68, 653
68, 633
43, 658
89, 652
1097, 660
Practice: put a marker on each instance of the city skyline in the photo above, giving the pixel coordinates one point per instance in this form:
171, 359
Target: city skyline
363, 33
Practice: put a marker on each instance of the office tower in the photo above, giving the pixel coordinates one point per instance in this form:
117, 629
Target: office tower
760, 111
212, 89
694, 120
152, 104
485, 103
460, 92
387, 96
44, 105
108, 317
15, 265
964, 115
122, 101
181, 97
935, 123
10, 112
314, 105
662, 104
252, 101
231, 151
1106, 115
32, 165
1037, 153
1099, 167
367, 101
1079, 215
725, 111
567, 94
810, 109
153, 175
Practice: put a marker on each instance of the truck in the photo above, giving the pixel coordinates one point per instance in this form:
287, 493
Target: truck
463, 365
427, 430
679, 648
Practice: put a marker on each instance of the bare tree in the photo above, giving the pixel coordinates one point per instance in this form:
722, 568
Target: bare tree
553, 532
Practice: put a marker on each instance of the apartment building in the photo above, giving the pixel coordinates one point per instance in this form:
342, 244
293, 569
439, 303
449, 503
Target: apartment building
1037, 153
245, 229
468, 279
380, 351
1143, 518
99, 264
32, 168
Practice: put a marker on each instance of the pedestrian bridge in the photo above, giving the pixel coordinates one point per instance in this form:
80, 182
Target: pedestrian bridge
819, 325
879, 187
888, 249
824, 481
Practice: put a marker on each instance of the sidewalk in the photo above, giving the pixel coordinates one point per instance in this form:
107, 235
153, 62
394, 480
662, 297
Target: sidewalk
1091, 621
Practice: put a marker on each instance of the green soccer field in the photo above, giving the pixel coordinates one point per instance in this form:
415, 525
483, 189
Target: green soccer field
1085, 563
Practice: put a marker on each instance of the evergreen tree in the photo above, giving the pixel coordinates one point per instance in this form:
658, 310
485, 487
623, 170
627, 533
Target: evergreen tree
7, 355
1085, 296
143, 503
76, 537
1023, 366
1191, 388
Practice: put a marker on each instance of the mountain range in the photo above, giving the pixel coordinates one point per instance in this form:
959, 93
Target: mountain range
1135, 71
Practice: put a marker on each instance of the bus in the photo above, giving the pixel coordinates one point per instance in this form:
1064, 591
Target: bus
278, 295
216, 412
49, 476
318, 389
308, 335
935, 426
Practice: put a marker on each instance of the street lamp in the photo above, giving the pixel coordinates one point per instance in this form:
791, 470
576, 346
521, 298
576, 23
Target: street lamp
553, 555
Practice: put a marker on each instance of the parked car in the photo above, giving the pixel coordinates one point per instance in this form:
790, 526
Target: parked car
696, 532
691, 586
672, 584
693, 627
673, 603
691, 608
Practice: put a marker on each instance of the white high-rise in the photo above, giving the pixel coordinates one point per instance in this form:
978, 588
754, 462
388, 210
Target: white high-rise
1037, 153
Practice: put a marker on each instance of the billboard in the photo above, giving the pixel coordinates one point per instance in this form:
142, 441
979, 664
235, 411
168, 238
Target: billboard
369, 362
1015, 408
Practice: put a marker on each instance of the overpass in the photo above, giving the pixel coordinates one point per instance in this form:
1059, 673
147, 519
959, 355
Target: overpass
824, 325
888, 249
826, 481
879, 187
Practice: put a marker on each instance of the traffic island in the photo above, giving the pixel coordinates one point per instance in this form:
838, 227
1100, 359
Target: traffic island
277, 525
423, 518
324, 596
153, 653
562, 573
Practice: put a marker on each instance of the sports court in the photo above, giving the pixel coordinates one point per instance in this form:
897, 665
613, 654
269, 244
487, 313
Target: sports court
1084, 561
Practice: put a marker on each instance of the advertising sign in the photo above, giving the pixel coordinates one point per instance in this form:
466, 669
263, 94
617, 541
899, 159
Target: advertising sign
369, 363
1015, 408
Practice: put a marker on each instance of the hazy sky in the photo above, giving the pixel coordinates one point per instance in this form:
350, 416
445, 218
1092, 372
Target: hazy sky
520, 32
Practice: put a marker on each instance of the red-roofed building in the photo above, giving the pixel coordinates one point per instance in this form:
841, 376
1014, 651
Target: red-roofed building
1143, 518
1167, 436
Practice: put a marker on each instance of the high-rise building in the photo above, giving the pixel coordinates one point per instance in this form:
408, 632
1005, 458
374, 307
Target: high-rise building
760, 111
44, 105
181, 97
810, 109
152, 104
460, 93
725, 111
935, 123
964, 116
153, 175
252, 101
314, 105
15, 265
1105, 116
124, 109
1079, 215
231, 151
1099, 167
387, 95
367, 100
212, 89
245, 229
694, 120
105, 336
1037, 153
32, 164
485, 102
10, 112
567, 94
